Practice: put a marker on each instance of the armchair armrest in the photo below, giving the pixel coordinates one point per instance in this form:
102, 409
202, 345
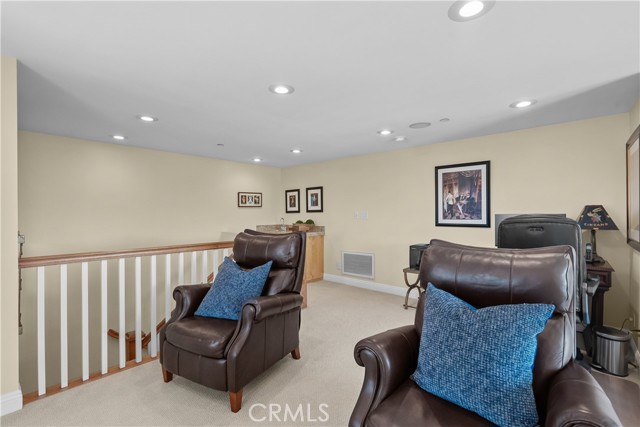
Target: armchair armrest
267, 306
187, 298
576, 398
389, 358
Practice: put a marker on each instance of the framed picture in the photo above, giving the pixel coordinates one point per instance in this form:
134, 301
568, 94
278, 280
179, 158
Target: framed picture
249, 200
315, 201
292, 201
462, 195
633, 190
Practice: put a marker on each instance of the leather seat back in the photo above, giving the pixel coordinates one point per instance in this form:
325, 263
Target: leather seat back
287, 251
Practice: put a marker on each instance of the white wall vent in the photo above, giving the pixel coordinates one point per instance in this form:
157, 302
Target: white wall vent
358, 264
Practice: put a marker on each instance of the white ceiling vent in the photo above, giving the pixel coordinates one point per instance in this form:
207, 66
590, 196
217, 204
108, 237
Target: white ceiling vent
358, 264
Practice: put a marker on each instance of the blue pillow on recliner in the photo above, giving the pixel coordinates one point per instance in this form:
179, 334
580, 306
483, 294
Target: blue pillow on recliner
231, 288
481, 359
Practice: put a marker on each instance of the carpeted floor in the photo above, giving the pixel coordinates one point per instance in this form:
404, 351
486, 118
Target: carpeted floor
337, 317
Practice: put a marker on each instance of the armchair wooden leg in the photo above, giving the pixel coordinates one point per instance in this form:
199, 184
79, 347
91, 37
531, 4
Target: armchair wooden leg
166, 375
235, 398
295, 353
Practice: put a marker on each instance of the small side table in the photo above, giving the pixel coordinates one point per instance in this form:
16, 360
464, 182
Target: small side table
603, 270
412, 286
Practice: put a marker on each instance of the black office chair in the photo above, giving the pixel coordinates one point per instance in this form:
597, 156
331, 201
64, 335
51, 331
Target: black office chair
534, 231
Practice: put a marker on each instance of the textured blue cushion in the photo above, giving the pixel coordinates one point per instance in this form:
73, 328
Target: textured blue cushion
481, 360
231, 288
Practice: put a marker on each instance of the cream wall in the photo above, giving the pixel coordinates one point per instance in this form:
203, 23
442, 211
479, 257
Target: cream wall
78, 195
11, 398
557, 168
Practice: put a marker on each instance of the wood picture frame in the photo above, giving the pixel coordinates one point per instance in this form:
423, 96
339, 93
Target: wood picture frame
462, 195
315, 199
249, 200
292, 201
633, 190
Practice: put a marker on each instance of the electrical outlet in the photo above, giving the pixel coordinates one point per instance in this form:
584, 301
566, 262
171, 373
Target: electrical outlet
338, 266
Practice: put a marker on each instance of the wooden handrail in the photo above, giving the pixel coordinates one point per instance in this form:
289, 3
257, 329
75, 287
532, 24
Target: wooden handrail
41, 261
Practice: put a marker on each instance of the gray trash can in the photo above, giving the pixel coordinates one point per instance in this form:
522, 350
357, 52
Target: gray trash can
610, 350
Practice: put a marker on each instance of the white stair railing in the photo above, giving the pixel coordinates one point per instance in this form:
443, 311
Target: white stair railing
98, 262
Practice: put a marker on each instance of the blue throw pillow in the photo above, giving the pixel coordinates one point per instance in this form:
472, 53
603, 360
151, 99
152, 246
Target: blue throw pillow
231, 288
481, 359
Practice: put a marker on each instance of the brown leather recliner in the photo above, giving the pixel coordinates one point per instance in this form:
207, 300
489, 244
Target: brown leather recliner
566, 394
227, 354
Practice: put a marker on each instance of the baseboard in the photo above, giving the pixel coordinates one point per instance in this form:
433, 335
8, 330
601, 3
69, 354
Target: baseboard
11, 402
365, 284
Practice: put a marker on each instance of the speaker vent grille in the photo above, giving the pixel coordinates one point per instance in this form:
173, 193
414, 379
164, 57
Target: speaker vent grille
358, 264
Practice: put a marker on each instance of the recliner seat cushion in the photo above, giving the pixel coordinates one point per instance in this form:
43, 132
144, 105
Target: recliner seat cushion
202, 335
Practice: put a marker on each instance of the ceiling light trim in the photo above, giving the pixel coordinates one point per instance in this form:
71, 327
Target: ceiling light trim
465, 6
281, 89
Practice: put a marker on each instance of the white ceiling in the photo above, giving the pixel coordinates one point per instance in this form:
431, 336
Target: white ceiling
87, 69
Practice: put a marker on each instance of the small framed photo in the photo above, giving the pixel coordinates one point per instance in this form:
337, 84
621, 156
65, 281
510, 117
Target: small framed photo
462, 195
315, 200
249, 200
292, 201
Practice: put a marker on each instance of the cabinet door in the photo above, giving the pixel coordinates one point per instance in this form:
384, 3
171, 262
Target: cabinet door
314, 263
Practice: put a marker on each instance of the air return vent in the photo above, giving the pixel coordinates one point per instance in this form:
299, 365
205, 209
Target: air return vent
358, 264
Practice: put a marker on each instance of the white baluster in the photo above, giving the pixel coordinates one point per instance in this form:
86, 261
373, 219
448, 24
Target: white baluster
194, 263
216, 262
85, 321
42, 374
153, 344
167, 287
181, 268
121, 325
104, 325
64, 341
138, 309
205, 266
225, 252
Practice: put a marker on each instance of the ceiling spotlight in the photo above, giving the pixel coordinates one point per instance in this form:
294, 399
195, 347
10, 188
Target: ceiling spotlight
296, 151
400, 139
148, 119
257, 159
465, 10
523, 103
280, 89
419, 125
385, 132
119, 137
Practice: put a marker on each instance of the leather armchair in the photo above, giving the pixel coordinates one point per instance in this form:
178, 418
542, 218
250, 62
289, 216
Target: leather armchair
566, 394
227, 354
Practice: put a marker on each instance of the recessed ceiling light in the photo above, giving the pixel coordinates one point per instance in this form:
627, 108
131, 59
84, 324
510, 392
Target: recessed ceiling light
119, 137
296, 151
419, 125
280, 89
465, 10
148, 119
220, 145
257, 159
523, 103
445, 119
385, 132
400, 139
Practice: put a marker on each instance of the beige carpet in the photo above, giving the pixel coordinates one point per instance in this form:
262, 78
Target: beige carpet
337, 317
